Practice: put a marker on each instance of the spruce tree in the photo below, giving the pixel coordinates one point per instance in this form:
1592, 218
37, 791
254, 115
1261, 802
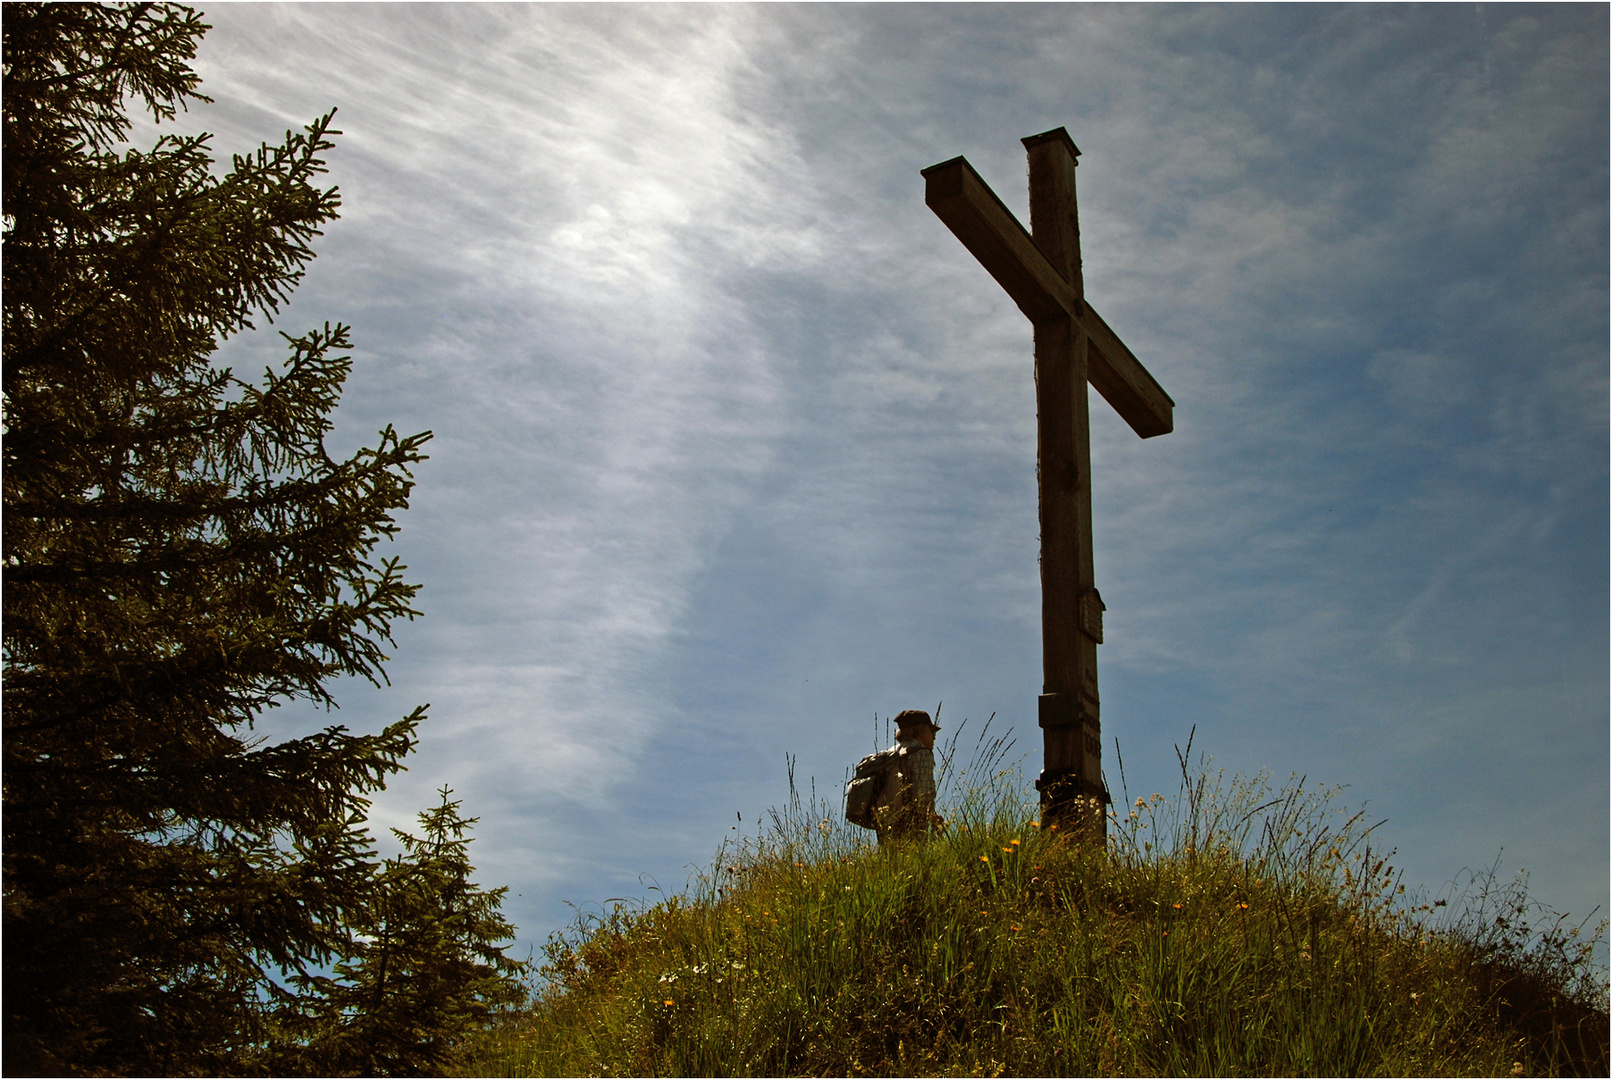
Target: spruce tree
426, 968
181, 553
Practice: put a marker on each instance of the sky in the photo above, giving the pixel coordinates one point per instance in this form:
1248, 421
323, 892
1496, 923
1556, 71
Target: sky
734, 442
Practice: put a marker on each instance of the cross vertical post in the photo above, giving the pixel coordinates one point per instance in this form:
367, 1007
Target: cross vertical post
1071, 781
1041, 271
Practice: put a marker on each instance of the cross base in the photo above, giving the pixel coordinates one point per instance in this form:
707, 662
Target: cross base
1073, 793
1068, 804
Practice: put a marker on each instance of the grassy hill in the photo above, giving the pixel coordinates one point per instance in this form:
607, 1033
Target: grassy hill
1231, 930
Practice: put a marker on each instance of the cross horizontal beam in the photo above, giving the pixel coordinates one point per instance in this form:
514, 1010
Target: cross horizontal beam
957, 195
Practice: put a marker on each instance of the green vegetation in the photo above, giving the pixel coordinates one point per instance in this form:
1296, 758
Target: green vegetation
1234, 930
182, 553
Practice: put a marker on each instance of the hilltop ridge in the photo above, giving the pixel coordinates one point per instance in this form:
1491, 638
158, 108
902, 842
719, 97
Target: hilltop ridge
1233, 930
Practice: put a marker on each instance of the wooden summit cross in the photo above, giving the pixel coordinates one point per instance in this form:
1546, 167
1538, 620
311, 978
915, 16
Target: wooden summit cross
1073, 345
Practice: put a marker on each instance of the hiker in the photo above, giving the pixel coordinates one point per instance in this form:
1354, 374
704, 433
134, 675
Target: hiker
894, 790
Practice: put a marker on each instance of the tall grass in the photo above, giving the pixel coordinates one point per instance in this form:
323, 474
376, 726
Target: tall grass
1235, 928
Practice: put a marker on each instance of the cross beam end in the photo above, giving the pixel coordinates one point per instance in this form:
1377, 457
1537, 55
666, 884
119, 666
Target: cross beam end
1122, 380
971, 210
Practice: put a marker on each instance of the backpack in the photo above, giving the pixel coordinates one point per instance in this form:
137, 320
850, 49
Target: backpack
872, 773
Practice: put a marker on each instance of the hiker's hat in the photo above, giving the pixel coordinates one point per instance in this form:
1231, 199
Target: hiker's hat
908, 719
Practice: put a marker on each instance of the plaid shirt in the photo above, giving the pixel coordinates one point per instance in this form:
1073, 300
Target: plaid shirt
908, 803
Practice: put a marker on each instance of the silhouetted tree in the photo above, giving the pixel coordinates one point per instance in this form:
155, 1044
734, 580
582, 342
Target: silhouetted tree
427, 966
180, 553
